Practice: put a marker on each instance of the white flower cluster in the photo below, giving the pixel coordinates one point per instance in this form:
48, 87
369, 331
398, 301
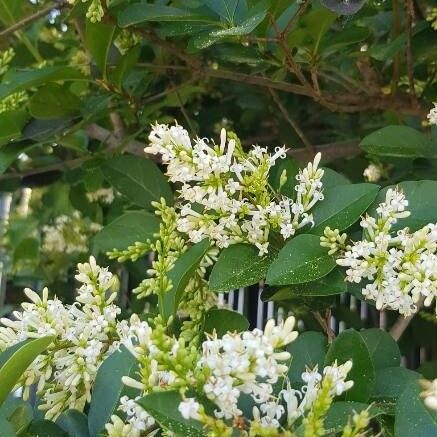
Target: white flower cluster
224, 193
68, 234
432, 115
245, 362
372, 173
298, 402
104, 195
401, 268
84, 334
290, 403
429, 393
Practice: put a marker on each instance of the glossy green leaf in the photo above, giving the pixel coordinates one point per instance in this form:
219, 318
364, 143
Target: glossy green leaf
139, 179
18, 413
98, 39
331, 284
307, 351
109, 388
144, 11
301, 260
342, 206
74, 422
349, 345
53, 101
390, 382
45, 428
163, 406
125, 230
399, 141
222, 321
383, 349
291, 168
16, 359
10, 152
21, 80
11, 125
238, 266
331, 178
412, 417
180, 274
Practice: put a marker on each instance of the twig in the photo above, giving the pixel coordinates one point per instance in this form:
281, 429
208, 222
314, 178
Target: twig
31, 18
182, 108
117, 124
325, 326
409, 14
402, 323
395, 33
302, 9
291, 121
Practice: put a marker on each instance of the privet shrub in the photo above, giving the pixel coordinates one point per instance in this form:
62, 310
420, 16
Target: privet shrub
137, 224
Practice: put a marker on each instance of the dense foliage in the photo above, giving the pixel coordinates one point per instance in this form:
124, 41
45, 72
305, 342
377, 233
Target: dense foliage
303, 164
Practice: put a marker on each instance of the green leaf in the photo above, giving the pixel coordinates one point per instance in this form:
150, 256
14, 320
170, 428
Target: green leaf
44, 130
399, 141
98, 39
224, 321
74, 422
45, 428
308, 350
109, 388
18, 413
291, 166
301, 260
139, 179
331, 284
125, 230
21, 80
390, 382
16, 359
143, 11
332, 179
180, 274
53, 101
11, 125
229, 10
342, 206
163, 406
412, 417
383, 349
10, 152
208, 39
349, 345
238, 266
7, 429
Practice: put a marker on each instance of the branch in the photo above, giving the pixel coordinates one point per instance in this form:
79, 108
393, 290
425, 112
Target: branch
402, 323
325, 325
31, 18
291, 121
409, 14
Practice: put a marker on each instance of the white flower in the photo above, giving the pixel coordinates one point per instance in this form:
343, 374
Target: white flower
432, 115
372, 173
189, 409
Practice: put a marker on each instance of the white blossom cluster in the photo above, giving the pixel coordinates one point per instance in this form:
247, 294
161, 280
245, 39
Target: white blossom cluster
290, 404
245, 362
104, 195
84, 335
432, 115
372, 173
224, 193
402, 268
68, 234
